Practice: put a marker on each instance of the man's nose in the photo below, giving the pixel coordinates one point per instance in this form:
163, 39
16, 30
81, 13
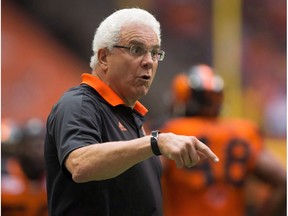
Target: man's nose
147, 61
148, 56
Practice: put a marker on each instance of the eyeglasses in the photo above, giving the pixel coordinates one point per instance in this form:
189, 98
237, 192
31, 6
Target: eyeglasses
136, 50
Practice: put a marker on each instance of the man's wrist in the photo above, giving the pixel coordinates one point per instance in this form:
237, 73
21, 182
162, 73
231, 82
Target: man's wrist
154, 142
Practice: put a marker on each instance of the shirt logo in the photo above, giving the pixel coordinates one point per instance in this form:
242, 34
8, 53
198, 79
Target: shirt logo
121, 127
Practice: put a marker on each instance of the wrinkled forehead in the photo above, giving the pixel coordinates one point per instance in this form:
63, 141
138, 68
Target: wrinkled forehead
140, 33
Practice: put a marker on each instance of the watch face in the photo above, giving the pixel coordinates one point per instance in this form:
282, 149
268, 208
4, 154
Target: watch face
155, 134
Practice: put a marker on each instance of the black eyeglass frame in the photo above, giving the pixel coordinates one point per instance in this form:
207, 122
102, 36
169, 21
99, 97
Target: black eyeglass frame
159, 56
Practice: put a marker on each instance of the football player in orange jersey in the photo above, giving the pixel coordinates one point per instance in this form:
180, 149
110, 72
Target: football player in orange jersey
23, 188
209, 188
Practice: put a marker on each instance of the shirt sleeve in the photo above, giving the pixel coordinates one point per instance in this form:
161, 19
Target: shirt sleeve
75, 122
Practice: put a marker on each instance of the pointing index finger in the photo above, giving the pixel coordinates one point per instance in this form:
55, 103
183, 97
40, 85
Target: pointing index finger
204, 149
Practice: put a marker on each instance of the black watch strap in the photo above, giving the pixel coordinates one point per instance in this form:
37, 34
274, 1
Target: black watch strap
154, 142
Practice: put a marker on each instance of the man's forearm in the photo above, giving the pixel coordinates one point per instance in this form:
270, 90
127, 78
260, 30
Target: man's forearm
107, 160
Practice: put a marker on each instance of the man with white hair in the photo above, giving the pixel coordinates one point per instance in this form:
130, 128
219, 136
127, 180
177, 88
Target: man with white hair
99, 159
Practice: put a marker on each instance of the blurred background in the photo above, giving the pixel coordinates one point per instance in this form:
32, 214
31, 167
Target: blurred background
47, 45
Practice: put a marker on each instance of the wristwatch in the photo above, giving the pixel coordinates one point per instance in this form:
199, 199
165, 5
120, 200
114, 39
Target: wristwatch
154, 142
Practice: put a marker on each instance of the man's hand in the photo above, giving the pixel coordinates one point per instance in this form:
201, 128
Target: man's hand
184, 150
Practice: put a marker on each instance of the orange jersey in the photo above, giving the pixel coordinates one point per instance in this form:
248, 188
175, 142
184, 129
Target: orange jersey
211, 188
19, 195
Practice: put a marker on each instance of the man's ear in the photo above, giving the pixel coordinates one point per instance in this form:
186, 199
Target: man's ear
102, 58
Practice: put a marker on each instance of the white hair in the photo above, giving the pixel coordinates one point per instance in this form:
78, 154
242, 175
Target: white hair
108, 32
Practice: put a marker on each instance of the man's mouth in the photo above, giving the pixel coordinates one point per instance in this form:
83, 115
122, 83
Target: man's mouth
145, 77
